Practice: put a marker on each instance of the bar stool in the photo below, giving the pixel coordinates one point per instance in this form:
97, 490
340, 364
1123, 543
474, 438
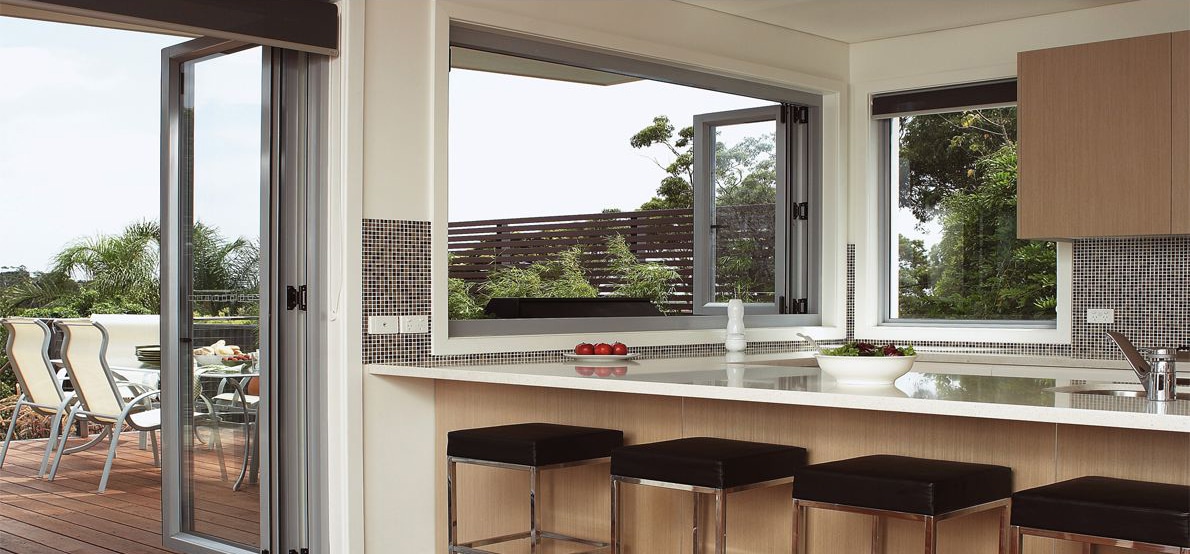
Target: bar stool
702, 465
1143, 516
900, 487
531, 447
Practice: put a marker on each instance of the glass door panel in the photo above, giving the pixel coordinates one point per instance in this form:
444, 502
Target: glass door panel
215, 177
225, 295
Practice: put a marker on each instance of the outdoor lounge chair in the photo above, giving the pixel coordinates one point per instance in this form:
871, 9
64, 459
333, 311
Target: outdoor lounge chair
99, 398
41, 390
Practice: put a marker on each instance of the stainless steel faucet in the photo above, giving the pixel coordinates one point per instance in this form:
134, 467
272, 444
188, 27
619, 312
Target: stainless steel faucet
1158, 375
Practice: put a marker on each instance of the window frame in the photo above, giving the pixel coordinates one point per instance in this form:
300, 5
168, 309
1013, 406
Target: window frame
792, 236
542, 49
936, 100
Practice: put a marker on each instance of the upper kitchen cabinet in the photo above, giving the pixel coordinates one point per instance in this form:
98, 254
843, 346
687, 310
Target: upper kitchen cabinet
1181, 133
1097, 126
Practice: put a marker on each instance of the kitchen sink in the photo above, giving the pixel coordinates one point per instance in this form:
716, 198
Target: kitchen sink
1111, 389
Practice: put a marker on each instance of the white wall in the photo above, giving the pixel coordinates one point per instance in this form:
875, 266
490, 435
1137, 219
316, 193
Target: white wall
967, 54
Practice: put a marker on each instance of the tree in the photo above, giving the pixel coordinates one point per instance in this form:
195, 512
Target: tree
676, 189
117, 266
939, 154
745, 173
979, 269
120, 273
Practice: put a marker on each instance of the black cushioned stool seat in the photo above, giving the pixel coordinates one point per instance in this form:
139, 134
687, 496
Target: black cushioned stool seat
703, 466
904, 488
1107, 508
708, 462
531, 447
533, 444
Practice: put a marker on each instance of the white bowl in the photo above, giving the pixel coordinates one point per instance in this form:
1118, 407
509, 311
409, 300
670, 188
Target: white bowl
208, 359
865, 370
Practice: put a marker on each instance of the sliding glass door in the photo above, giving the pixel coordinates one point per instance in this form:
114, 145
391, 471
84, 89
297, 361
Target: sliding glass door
239, 149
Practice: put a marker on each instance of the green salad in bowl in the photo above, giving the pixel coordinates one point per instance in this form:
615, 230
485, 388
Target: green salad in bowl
866, 364
869, 349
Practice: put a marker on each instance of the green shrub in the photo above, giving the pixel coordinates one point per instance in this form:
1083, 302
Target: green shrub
639, 279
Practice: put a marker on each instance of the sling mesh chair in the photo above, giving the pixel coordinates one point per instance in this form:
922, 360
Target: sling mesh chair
41, 390
100, 401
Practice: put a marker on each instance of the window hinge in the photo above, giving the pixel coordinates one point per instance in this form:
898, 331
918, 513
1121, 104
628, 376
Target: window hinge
295, 298
801, 306
800, 114
801, 211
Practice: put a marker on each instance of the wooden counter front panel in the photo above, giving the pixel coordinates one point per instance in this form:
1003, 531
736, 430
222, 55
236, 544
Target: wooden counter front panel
576, 500
1095, 143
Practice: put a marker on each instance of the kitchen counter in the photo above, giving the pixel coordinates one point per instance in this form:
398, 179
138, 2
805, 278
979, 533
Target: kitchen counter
977, 390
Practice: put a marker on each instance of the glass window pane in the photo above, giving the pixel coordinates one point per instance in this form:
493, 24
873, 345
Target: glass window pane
745, 201
953, 246
569, 183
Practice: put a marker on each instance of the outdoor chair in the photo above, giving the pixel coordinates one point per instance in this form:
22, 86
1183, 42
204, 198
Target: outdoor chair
99, 395
101, 399
41, 389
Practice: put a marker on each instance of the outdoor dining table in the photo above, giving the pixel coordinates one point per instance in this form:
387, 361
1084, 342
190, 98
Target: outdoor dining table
239, 381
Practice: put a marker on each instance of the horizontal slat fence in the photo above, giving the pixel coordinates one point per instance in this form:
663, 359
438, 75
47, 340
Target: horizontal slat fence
662, 236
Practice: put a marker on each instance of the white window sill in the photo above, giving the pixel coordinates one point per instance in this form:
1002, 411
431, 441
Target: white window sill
447, 346
910, 333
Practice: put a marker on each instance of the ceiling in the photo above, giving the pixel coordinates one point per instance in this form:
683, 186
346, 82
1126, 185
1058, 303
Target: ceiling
864, 20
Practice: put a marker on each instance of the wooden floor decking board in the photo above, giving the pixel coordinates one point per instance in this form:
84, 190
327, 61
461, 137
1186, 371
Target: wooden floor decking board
67, 516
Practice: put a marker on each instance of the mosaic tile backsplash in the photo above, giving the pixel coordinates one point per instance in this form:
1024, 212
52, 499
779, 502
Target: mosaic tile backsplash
1145, 280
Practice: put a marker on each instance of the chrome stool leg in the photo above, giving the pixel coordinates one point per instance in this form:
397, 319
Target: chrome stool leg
534, 532
720, 522
1005, 520
931, 525
877, 535
615, 538
452, 525
799, 526
695, 541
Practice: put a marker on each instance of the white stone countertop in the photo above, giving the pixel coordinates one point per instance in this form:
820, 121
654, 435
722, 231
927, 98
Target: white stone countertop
971, 387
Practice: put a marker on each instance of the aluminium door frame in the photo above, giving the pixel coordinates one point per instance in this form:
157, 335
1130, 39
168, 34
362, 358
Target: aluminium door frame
176, 349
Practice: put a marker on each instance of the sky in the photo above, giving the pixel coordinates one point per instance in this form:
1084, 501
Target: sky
80, 133
522, 146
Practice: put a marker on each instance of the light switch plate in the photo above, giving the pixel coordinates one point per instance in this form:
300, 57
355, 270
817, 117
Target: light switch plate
1107, 315
415, 324
384, 325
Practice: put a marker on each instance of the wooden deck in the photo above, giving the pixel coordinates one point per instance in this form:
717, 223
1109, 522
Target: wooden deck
67, 516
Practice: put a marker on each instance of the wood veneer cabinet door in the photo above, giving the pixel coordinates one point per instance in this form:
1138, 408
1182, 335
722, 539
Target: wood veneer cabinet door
1181, 132
1095, 139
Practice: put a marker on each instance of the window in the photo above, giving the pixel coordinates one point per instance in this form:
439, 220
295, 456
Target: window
587, 185
948, 169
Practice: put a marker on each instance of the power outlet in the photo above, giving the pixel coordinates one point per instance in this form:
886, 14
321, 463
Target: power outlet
415, 324
1106, 315
384, 325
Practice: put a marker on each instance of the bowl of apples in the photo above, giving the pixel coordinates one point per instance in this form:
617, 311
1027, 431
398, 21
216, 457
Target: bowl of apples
866, 364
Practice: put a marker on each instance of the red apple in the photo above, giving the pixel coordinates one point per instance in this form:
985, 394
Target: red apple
603, 349
620, 349
584, 349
